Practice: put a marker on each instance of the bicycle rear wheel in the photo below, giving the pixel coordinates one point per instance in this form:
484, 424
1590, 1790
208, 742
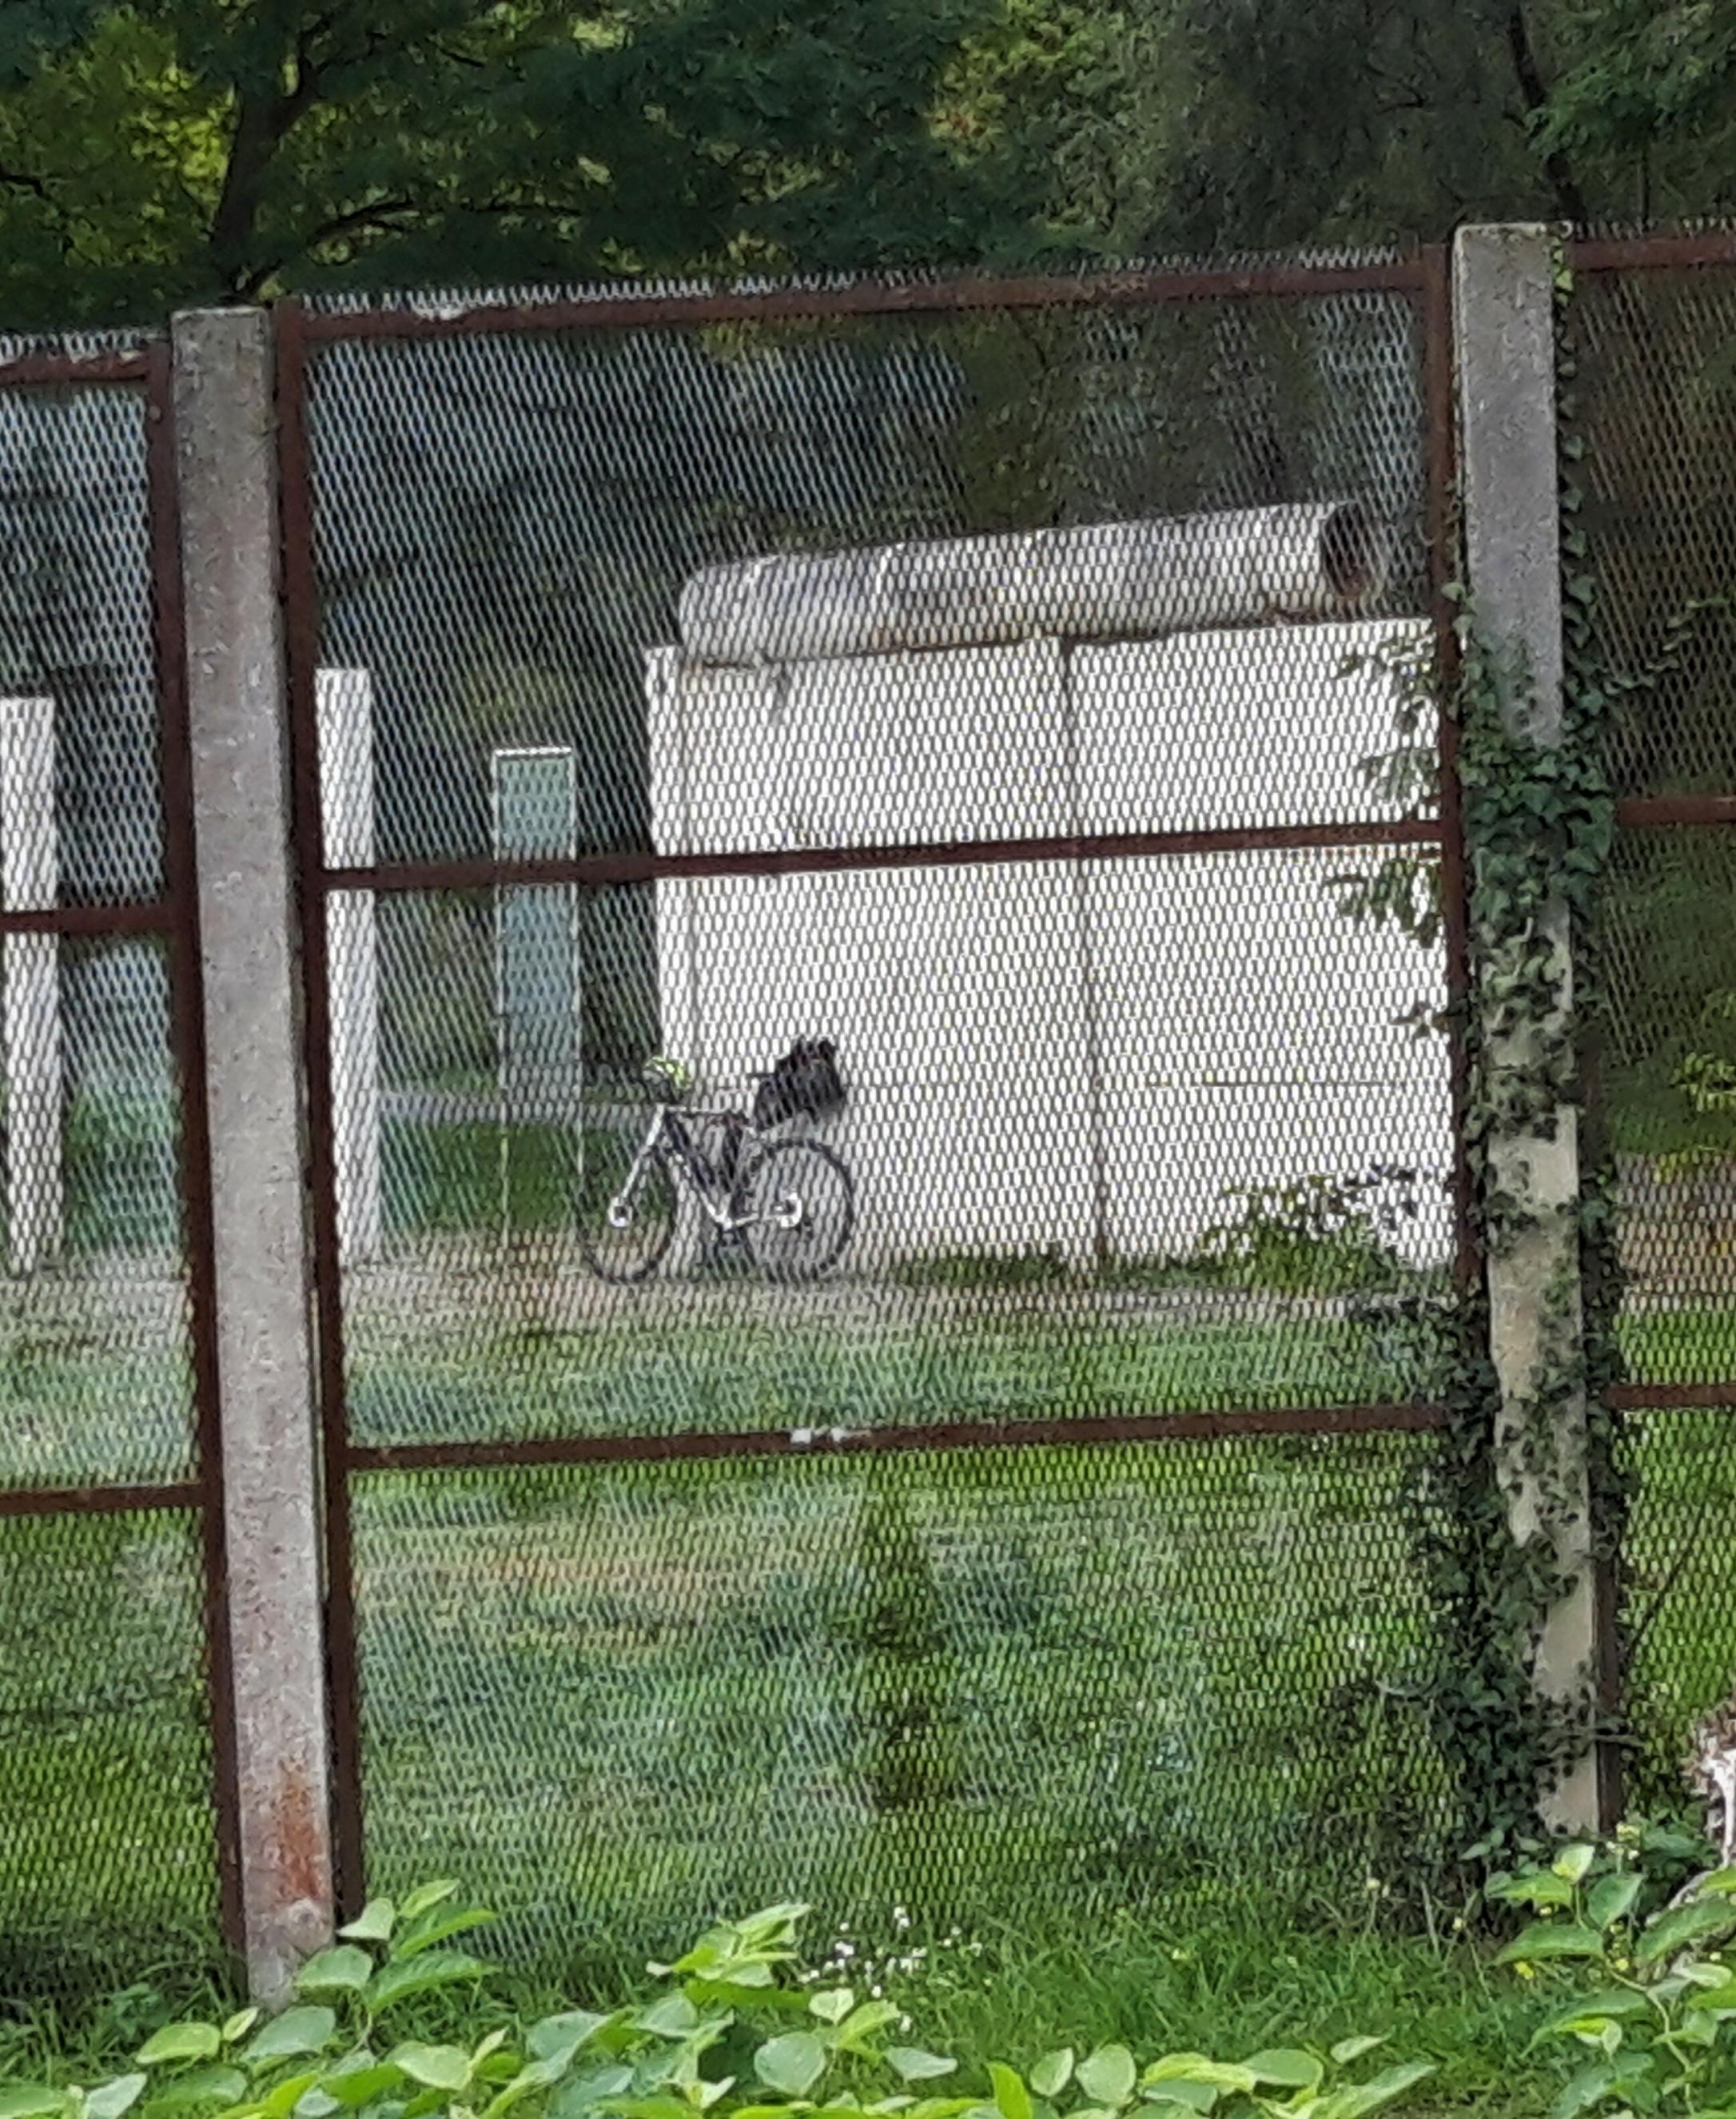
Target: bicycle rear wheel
623, 1233
798, 1208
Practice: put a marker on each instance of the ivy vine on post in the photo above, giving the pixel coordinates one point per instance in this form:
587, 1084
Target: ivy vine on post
1533, 1497
1518, 1507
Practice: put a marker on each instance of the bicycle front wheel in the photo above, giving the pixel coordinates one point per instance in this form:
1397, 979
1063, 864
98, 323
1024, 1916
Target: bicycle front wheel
797, 1209
625, 1221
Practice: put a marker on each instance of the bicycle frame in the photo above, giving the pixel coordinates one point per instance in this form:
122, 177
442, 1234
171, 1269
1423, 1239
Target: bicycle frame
668, 1136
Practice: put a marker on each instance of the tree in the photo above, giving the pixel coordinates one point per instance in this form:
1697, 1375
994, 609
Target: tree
172, 151
169, 151
1248, 125
1646, 97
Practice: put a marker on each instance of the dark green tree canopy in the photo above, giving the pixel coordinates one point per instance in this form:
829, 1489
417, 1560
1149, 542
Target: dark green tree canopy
171, 151
180, 150
1243, 124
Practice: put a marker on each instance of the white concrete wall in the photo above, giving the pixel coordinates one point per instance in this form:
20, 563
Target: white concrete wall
30, 988
1057, 1052
344, 700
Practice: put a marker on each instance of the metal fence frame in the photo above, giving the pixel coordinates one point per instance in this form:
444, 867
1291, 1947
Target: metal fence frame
1423, 279
174, 915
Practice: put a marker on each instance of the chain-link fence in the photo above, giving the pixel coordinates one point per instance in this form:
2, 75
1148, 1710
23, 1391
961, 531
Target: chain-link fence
958, 1434
1655, 424
984, 1493
109, 1833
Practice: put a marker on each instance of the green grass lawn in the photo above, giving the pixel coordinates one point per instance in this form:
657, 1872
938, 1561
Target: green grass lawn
1680, 1346
1049, 1683
619, 1694
1243, 1979
107, 1853
1228, 1984
628, 1377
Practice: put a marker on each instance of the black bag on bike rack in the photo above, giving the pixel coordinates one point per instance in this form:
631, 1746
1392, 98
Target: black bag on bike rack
805, 1084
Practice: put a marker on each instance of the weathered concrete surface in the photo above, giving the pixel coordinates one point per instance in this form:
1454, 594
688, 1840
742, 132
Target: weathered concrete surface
1504, 310
345, 706
237, 706
1109, 581
29, 882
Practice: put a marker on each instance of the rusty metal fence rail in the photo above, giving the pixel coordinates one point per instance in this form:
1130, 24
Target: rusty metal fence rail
1052, 1540
117, 1805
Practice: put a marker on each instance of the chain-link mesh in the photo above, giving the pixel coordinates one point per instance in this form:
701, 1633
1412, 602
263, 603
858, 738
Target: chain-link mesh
1017, 716
108, 1839
1046, 1683
507, 524
1655, 406
1656, 403
108, 1854
96, 1384
1680, 1618
1129, 1164
1670, 1029
77, 674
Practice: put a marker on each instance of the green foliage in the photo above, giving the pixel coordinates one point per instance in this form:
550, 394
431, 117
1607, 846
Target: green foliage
1537, 818
1404, 889
1047, 1267
1318, 1235
733, 2030
1240, 1981
1538, 822
1182, 125
1641, 80
1646, 1996
156, 151
168, 151
1705, 1081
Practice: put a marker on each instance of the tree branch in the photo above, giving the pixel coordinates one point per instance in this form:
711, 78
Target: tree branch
1534, 93
262, 125
379, 215
384, 214
321, 25
532, 209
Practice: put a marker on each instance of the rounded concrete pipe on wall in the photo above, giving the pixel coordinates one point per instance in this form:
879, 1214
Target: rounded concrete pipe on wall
1105, 581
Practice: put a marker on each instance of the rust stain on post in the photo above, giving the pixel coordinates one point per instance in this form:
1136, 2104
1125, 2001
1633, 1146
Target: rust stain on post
296, 1840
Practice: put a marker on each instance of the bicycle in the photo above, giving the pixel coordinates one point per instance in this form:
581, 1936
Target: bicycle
790, 1202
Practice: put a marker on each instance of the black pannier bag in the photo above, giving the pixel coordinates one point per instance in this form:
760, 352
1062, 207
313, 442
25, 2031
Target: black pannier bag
805, 1084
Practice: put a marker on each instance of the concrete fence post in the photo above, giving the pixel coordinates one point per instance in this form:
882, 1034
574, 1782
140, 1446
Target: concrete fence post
29, 882
237, 717
1505, 353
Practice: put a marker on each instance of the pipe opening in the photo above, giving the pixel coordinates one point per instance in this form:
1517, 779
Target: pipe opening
1354, 553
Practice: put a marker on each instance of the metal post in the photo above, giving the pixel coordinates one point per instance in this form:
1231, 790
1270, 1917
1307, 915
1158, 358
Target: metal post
1505, 342
344, 704
29, 882
237, 718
